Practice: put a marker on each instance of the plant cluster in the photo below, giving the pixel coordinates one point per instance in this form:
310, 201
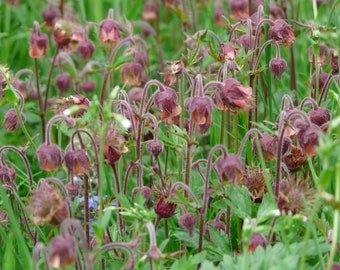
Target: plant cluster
153, 139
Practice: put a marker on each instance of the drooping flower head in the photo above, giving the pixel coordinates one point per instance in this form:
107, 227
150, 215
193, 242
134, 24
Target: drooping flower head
281, 32
109, 29
38, 42
232, 96
166, 101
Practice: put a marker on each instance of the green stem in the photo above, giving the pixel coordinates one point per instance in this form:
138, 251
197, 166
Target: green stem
23, 127
222, 130
335, 219
235, 132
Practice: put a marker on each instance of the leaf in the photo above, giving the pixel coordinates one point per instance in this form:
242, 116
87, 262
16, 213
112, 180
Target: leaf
11, 94
239, 201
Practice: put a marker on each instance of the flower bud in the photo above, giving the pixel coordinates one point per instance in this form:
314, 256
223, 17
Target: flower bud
86, 48
88, 86
63, 82
50, 16
155, 148
11, 120
146, 192
277, 66
188, 222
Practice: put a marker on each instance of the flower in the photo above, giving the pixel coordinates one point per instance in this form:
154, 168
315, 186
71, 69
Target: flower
229, 168
232, 96
109, 30
86, 48
133, 74
77, 161
308, 138
257, 239
281, 32
7, 175
200, 110
63, 251
238, 9
166, 101
50, 157
11, 120
38, 42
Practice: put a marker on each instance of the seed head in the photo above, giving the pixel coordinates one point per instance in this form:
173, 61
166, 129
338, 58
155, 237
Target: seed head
47, 205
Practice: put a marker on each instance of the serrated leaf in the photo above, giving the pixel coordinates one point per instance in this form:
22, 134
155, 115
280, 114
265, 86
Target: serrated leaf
239, 201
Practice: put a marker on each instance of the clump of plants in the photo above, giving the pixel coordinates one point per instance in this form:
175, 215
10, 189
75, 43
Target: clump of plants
170, 135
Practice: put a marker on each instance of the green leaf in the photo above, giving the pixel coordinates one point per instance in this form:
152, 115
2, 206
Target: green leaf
239, 201
11, 94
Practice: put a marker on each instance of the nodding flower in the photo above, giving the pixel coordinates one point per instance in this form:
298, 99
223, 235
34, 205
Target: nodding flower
166, 101
232, 96
38, 42
281, 32
109, 29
